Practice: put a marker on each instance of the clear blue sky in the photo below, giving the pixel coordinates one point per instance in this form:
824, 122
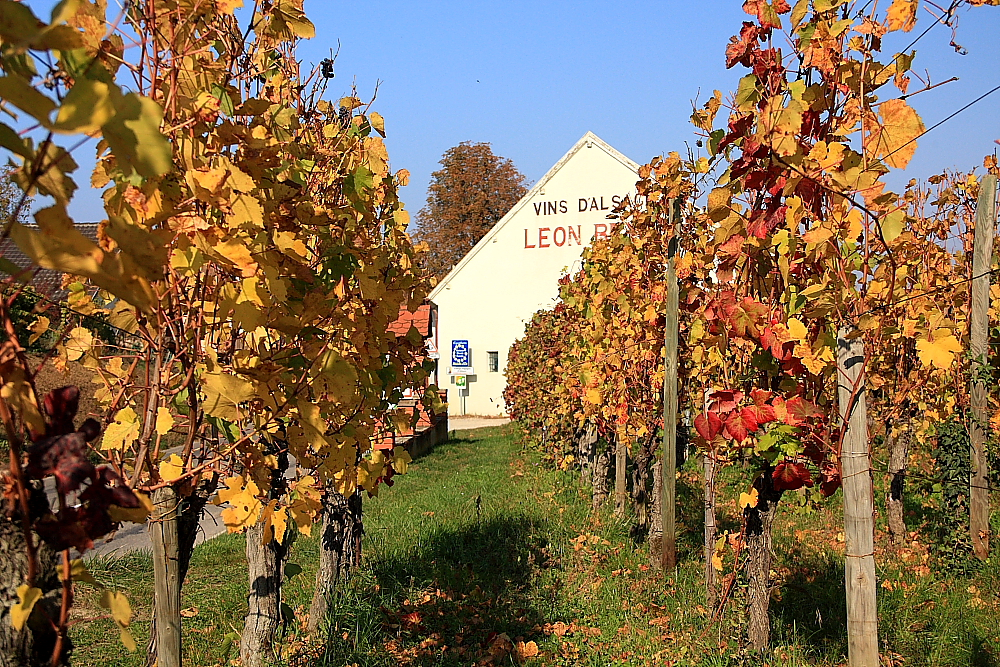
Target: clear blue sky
532, 77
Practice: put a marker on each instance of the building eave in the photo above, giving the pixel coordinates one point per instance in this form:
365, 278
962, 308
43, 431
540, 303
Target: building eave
588, 140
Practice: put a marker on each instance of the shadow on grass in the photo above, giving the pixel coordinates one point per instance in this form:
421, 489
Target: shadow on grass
444, 601
812, 609
812, 614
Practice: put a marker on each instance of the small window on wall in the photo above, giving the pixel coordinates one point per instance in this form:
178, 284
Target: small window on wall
494, 361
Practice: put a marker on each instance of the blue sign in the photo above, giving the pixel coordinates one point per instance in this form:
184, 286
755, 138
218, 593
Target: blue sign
461, 355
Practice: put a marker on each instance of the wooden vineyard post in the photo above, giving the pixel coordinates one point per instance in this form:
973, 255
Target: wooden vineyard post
979, 322
859, 503
669, 468
163, 528
621, 459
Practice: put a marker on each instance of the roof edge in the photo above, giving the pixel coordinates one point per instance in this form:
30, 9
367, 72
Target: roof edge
585, 140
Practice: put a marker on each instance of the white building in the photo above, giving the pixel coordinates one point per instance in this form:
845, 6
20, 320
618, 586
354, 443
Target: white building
485, 301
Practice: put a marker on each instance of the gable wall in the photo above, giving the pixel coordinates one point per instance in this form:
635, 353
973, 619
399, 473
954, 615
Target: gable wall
513, 271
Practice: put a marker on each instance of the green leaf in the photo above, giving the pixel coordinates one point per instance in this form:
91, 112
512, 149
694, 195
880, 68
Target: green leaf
20, 93
292, 569
134, 136
18, 25
10, 140
85, 108
747, 95
225, 102
64, 11
892, 225
799, 12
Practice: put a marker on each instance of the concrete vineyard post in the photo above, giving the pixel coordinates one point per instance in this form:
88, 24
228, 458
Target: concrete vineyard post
669, 469
859, 506
979, 322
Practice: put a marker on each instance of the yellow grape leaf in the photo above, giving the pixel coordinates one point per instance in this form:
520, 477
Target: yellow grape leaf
401, 460
717, 561
894, 138
244, 505
228, 6
223, 394
79, 572
246, 210
38, 328
128, 641
118, 605
594, 395
902, 15
940, 351
797, 330
132, 514
164, 420
236, 252
19, 394
817, 235
748, 499
171, 468
57, 244
21, 610
80, 342
123, 431
377, 122
275, 523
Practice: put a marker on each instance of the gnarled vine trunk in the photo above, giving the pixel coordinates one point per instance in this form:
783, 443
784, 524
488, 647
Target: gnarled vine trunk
265, 563
265, 566
340, 550
642, 486
621, 468
656, 518
602, 474
586, 443
33, 645
760, 523
899, 451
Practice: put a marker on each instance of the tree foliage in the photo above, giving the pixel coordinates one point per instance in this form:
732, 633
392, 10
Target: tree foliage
466, 197
253, 256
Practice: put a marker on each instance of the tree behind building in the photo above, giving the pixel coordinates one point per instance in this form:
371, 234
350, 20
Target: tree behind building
469, 194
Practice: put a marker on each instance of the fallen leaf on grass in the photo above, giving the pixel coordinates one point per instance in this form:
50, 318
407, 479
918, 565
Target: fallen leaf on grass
525, 650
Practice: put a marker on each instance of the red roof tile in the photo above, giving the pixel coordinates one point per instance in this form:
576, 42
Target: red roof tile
420, 319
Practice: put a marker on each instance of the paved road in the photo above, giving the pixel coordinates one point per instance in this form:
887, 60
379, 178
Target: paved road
134, 537
466, 423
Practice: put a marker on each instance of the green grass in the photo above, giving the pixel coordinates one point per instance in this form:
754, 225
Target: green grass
480, 540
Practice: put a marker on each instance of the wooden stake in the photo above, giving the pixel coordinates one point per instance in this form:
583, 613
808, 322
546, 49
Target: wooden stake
163, 531
979, 322
621, 459
711, 594
669, 469
859, 503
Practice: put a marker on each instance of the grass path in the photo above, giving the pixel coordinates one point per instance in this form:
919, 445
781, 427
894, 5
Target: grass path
479, 554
